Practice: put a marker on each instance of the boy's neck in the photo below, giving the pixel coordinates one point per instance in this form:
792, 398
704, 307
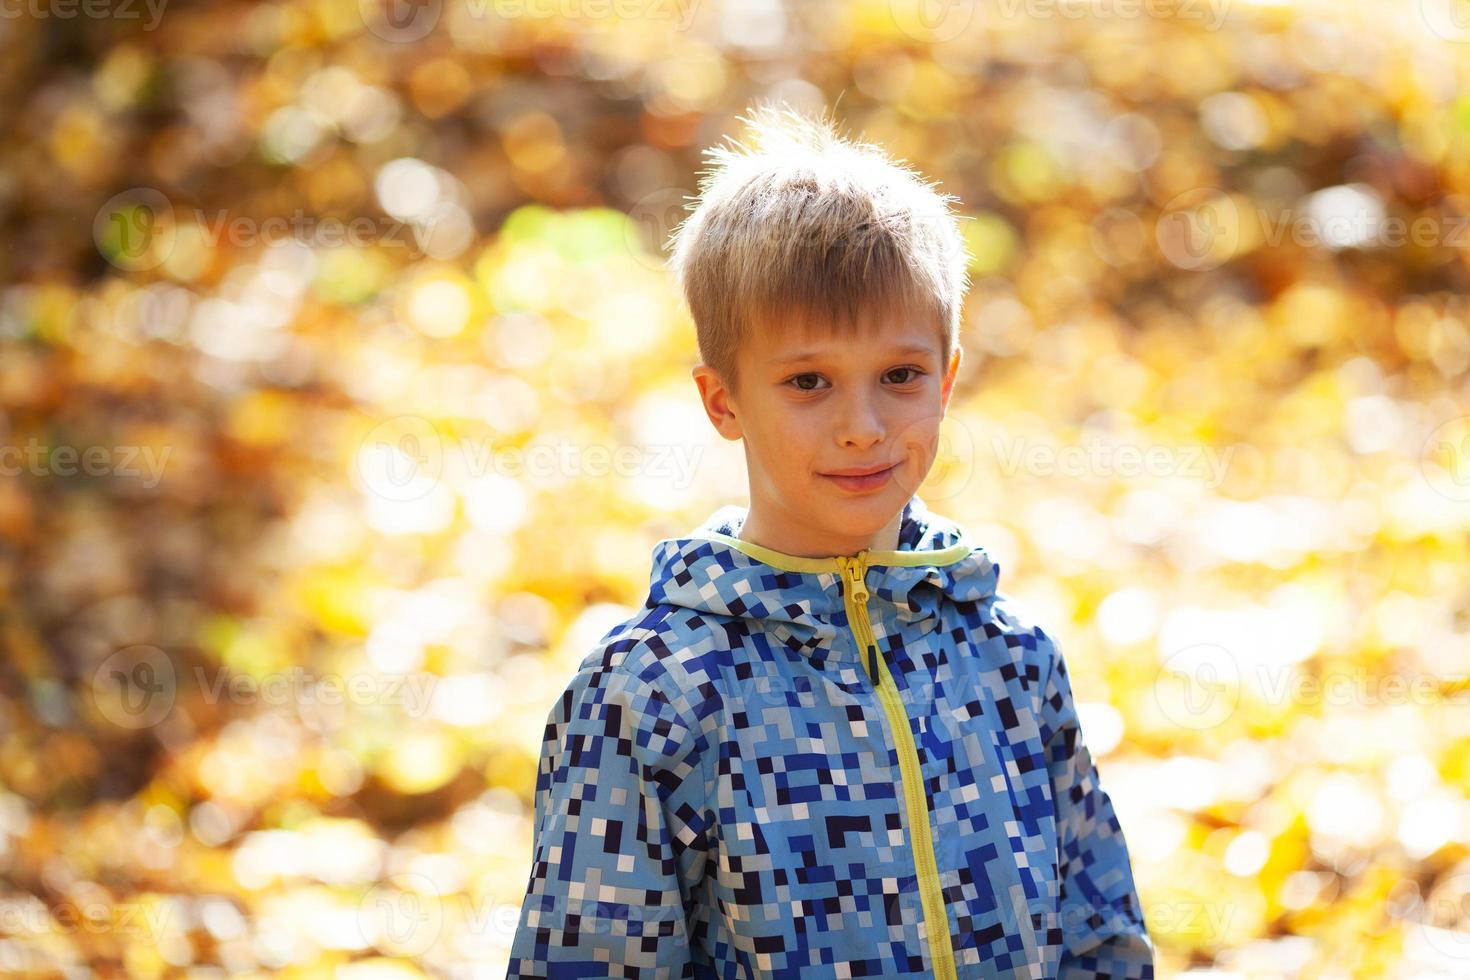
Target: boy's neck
791, 539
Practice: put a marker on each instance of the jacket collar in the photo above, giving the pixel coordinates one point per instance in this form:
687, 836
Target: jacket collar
713, 571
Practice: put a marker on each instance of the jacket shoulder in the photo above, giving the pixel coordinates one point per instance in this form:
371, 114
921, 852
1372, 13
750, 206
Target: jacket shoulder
653, 636
663, 647
1016, 621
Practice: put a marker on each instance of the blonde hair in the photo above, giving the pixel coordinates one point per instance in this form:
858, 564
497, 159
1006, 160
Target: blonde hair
802, 222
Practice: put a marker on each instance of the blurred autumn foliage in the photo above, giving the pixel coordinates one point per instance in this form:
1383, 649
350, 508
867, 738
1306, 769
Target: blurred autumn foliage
343, 396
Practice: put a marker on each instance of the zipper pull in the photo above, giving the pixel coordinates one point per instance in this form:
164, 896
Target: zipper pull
857, 567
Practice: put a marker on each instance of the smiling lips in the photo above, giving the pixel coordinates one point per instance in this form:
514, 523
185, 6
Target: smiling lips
862, 478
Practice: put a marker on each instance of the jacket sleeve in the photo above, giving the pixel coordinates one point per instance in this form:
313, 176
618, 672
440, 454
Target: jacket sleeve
1103, 929
620, 834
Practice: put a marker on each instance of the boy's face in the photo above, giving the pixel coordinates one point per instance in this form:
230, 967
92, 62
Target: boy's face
811, 406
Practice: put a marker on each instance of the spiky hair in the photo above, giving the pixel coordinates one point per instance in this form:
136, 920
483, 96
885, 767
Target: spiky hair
798, 221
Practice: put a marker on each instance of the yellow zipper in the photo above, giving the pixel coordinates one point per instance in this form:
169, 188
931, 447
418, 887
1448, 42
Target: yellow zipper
855, 597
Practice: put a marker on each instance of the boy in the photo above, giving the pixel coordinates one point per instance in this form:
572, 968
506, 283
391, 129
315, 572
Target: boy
826, 746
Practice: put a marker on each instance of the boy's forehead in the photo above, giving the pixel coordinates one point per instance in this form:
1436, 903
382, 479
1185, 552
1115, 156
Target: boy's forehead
792, 337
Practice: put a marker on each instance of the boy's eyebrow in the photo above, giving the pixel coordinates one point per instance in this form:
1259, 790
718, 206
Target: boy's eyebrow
813, 354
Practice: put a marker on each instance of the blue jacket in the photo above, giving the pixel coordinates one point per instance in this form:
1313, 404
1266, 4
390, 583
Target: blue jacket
825, 767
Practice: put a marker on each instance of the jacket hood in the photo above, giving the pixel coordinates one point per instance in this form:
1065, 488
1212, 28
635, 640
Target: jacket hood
711, 570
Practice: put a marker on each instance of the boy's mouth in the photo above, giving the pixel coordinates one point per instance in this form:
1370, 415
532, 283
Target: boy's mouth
860, 478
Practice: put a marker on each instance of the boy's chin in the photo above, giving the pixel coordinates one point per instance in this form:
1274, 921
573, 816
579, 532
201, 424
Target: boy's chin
860, 513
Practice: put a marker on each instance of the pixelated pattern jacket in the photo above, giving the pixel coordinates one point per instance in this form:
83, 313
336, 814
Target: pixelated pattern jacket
835, 767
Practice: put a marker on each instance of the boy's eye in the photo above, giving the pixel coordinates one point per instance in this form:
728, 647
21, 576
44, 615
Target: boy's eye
798, 380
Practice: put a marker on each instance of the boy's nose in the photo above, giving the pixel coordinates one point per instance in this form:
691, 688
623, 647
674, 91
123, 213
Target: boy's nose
862, 426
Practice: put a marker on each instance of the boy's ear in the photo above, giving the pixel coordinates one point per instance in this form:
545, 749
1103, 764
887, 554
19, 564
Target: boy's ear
951, 372
718, 400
